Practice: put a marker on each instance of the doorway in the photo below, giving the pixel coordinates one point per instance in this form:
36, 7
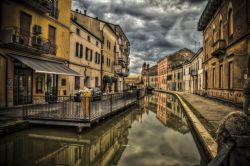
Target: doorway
22, 84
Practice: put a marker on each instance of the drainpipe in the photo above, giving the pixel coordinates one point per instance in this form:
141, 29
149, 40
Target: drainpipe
248, 37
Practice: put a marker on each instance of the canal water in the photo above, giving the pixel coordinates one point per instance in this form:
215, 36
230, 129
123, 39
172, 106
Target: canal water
155, 133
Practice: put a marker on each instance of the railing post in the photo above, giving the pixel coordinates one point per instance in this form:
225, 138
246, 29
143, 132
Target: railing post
90, 107
111, 102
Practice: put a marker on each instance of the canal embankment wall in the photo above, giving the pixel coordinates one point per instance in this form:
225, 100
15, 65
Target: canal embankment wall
205, 139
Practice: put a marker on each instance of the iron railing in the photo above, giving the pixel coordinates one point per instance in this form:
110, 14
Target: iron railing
80, 109
13, 35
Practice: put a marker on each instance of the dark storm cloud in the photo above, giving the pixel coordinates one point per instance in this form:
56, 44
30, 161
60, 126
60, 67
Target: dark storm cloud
155, 28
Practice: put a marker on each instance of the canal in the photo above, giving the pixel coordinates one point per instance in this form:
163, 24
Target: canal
154, 133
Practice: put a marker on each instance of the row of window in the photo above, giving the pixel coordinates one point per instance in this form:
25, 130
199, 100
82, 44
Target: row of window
88, 55
221, 78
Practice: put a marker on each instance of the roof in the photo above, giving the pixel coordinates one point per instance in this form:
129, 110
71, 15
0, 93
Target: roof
208, 13
196, 54
78, 24
107, 23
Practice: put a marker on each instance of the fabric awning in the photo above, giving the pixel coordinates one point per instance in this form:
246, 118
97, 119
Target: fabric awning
43, 66
107, 79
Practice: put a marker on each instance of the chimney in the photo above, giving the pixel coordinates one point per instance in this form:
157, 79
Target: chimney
96, 18
85, 12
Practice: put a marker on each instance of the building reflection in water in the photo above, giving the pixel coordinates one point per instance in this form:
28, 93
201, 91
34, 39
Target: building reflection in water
101, 146
168, 111
121, 139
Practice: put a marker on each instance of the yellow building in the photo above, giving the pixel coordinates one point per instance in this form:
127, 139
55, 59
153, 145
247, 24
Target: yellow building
85, 57
35, 47
114, 50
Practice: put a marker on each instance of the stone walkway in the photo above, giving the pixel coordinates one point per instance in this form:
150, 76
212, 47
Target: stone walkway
211, 110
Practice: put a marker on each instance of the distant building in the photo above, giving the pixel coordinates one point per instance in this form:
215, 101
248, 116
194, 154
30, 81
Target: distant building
85, 57
225, 27
176, 60
196, 72
153, 76
162, 73
133, 80
187, 76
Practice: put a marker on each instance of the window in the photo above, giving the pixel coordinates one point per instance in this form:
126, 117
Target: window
63, 82
77, 82
214, 37
78, 31
230, 22
89, 39
88, 54
230, 75
52, 39
39, 85
214, 79
96, 81
221, 77
25, 23
54, 8
108, 44
221, 29
97, 58
79, 50
102, 59
97, 43
64, 92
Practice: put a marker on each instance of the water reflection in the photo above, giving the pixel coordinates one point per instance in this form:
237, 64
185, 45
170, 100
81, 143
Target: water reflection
156, 133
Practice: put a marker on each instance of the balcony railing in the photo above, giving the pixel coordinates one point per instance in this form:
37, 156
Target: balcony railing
20, 38
219, 48
43, 6
76, 108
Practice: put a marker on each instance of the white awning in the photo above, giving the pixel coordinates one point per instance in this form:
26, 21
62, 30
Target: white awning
44, 66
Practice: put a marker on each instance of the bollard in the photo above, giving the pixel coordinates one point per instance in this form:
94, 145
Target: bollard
233, 141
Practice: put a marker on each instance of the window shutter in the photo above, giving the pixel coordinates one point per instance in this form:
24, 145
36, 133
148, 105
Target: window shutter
87, 52
77, 47
81, 49
91, 55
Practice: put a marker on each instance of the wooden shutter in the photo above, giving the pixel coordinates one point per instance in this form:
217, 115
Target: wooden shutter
25, 23
77, 49
87, 52
81, 50
91, 55
52, 34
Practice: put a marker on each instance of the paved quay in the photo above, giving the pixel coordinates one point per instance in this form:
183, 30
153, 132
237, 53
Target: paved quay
211, 110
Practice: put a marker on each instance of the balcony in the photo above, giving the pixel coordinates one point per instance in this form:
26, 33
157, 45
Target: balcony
219, 48
15, 38
43, 6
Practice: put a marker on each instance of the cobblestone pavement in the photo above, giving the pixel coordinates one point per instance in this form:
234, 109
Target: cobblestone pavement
211, 110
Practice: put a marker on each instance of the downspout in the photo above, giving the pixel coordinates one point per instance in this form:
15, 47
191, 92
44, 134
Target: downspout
248, 37
102, 58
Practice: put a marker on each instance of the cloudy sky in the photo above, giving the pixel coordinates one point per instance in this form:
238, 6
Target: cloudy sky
155, 28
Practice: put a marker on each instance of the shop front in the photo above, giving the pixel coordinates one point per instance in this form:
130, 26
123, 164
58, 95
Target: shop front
37, 77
